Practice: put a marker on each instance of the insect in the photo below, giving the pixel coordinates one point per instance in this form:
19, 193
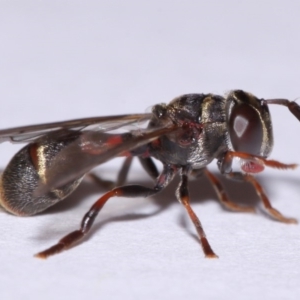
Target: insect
185, 135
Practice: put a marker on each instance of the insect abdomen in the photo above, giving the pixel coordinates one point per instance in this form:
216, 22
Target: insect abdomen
23, 174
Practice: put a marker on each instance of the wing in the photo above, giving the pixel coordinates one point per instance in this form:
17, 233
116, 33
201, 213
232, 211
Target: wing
92, 149
95, 145
30, 133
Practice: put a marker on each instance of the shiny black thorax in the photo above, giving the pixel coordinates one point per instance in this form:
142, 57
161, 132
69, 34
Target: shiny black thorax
202, 132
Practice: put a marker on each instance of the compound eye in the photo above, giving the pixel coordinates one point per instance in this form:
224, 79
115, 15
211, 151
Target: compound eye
245, 129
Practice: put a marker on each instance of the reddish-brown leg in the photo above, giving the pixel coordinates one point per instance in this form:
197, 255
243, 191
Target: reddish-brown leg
182, 194
223, 196
226, 162
260, 192
89, 218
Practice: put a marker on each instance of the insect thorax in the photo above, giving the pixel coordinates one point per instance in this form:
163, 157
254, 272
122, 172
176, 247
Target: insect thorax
201, 133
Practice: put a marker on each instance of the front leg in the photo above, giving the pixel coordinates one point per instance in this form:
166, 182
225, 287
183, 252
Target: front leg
222, 195
273, 212
251, 164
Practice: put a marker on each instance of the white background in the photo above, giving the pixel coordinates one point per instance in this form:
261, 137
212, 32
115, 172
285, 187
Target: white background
70, 59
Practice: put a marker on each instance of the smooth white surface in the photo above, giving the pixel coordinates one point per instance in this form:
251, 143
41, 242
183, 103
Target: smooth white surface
69, 59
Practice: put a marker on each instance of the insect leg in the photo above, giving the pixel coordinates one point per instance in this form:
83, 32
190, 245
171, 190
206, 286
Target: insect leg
149, 166
257, 162
124, 171
223, 196
260, 192
124, 191
182, 194
146, 162
122, 175
106, 184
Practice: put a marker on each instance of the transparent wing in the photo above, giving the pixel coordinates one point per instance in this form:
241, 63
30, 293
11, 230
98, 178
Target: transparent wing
26, 134
91, 149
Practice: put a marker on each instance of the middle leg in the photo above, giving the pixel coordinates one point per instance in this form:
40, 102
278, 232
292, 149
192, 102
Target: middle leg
182, 194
